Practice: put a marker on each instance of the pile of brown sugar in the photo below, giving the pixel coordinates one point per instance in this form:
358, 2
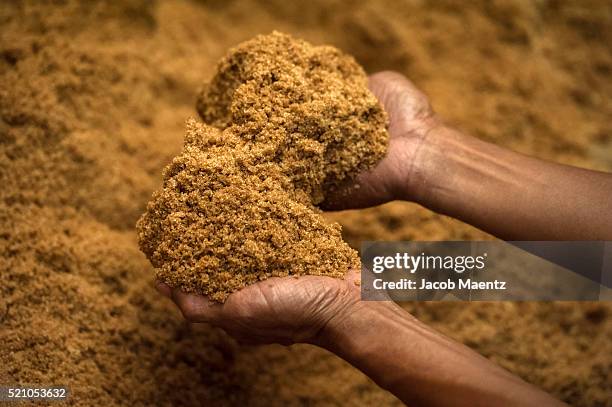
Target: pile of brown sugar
287, 122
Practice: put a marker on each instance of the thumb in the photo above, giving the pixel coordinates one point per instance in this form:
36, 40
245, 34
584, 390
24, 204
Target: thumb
366, 190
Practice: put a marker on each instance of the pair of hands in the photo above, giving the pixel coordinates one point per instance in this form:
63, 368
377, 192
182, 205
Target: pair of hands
292, 310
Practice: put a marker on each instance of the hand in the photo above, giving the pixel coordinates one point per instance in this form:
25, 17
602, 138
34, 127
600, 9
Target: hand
411, 119
291, 310
283, 310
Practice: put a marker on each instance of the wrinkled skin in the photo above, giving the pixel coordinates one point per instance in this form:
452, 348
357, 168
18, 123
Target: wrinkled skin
278, 310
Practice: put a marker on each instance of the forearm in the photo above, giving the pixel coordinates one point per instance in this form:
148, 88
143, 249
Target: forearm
421, 366
507, 194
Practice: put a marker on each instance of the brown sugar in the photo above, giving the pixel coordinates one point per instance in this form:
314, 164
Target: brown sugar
286, 123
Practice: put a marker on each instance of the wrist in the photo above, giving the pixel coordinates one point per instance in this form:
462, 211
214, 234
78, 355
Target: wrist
420, 152
429, 177
346, 305
346, 333
367, 334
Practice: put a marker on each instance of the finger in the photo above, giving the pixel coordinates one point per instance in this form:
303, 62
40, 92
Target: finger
196, 308
370, 188
387, 85
163, 289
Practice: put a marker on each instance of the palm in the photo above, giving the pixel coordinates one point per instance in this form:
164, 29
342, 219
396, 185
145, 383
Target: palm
281, 310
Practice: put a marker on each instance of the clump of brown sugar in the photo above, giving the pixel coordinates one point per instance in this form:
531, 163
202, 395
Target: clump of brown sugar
287, 123
307, 109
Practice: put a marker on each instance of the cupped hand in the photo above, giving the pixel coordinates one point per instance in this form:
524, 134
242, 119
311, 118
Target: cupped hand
282, 310
411, 119
291, 310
